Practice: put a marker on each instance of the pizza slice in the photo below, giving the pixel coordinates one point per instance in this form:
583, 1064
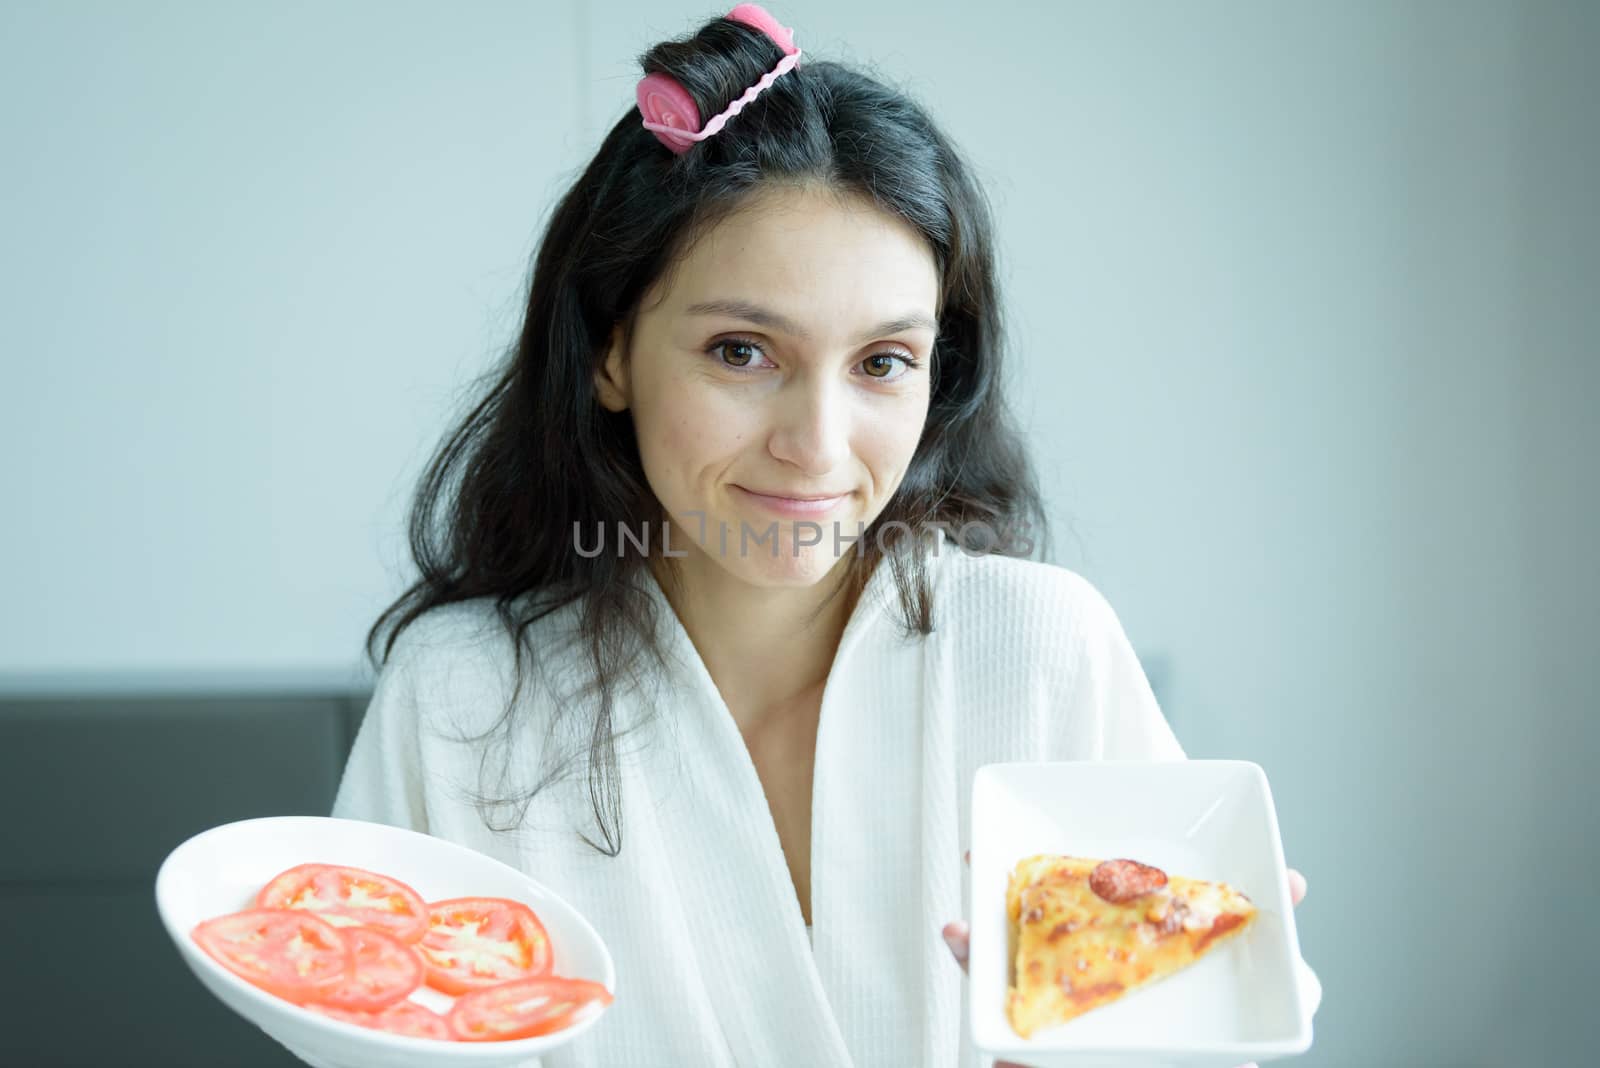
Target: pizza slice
1086, 932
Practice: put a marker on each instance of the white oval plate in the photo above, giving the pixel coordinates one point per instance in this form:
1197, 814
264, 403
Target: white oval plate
221, 870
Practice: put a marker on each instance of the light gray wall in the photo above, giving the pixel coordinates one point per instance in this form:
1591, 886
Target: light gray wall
253, 254
1303, 297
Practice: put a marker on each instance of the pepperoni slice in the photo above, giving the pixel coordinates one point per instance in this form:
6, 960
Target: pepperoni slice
1119, 881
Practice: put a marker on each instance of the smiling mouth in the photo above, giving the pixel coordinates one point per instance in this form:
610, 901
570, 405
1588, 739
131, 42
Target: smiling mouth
793, 497
794, 507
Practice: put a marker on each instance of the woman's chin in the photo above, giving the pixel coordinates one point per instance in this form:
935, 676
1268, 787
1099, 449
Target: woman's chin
787, 569
775, 555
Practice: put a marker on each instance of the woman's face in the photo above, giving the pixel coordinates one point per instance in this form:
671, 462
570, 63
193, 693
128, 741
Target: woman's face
787, 356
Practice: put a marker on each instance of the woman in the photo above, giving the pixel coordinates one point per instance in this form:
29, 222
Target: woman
694, 641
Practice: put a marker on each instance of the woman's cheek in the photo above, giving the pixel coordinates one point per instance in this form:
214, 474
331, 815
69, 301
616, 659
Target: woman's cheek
698, 439
891, 439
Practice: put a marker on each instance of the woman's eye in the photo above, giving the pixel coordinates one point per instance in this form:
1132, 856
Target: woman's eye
882, 366
741, 354
735, 352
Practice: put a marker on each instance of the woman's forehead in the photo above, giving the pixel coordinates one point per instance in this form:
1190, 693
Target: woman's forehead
777, 321
807, 264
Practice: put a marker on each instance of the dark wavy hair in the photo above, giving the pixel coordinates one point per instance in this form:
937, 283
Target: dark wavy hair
538, 456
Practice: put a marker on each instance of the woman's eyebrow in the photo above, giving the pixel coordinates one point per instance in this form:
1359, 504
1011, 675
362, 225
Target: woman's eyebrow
755, 313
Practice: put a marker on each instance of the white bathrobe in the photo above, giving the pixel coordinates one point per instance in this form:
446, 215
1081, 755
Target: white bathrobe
1027, 661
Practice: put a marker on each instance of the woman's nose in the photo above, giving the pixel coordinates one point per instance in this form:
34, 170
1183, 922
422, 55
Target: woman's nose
811, 427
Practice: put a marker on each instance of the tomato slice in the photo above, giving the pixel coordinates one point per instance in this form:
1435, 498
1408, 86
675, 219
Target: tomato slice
401, 1018
385, 971
476, 942
523, 1008
288, 952
349, 897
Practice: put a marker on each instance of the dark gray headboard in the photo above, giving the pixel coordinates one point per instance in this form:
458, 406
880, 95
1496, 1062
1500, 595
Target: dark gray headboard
95, 792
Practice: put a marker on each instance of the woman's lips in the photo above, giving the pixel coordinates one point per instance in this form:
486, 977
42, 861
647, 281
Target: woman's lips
793, 506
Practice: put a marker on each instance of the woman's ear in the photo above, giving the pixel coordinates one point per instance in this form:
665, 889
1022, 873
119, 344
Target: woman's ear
611, 377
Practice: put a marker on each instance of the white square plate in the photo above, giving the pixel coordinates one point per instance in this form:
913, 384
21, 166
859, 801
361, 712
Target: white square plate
1204, 819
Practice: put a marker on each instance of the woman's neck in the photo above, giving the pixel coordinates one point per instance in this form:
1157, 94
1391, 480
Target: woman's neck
761, 645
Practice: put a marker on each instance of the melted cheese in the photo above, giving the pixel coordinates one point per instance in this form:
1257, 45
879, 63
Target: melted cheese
1206, 902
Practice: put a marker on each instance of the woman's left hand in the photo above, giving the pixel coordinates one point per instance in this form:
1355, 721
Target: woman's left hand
956, 934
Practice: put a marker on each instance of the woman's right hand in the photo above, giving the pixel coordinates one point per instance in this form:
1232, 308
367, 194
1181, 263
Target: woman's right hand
956, 936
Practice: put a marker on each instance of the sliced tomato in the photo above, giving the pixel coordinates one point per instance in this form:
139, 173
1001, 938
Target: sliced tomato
401, 1018
523, 1008
349, 897
288, 952
476, 942
385, 971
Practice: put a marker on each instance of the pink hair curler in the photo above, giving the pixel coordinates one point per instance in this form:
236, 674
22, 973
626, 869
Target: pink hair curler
669, 111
